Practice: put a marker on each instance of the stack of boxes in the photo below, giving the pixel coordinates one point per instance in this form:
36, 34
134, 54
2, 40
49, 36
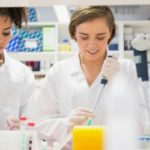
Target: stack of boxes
26, 40
14, 42
30, 41
32, 15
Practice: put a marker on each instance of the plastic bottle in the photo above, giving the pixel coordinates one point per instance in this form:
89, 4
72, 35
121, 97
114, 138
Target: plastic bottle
30, 143
65, 46
23, 122
144, 142
30, 125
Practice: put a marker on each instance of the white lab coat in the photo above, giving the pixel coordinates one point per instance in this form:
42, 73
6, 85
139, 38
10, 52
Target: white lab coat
65, 88
16, 88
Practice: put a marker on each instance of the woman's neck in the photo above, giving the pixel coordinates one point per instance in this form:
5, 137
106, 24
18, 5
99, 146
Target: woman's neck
1, 59
91, 68
92, 63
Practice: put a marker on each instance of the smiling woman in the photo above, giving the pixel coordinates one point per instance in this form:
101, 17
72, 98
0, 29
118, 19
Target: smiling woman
93, 29
16, 80
93, 41
70, 89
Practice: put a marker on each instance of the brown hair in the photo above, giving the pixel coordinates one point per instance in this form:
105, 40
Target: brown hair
90, 13
17, 15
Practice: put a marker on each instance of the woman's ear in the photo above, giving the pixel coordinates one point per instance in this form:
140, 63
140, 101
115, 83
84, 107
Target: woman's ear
110, 36
74, 37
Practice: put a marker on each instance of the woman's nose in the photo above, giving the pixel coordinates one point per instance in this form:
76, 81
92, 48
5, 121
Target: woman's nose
91, 44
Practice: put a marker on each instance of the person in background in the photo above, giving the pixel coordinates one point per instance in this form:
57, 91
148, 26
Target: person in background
70, 88
16, 79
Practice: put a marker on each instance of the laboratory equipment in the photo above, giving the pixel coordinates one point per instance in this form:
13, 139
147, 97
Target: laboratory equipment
144, 142
141, 42
23, 122
141, 45
18, 140
30, 125
103, 82
88, 138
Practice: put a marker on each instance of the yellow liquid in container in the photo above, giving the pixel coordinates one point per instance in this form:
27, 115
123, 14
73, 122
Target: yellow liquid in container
88, 138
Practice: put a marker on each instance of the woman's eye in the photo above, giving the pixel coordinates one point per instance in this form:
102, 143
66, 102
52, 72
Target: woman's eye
84, 38
6, 33
100, 38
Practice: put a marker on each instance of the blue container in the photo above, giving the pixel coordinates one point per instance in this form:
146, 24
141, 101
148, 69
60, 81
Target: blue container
32, 15
14, 42
31, 41
13, 45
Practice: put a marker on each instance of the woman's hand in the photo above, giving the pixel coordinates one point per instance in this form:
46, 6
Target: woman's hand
110, 67
79, 117
13, 123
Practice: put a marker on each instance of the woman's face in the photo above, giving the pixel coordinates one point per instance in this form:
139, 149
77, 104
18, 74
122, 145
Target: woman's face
5, 32
92, 38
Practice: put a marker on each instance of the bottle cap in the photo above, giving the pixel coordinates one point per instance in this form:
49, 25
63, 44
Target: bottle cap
31, 124
23, 118
65, 41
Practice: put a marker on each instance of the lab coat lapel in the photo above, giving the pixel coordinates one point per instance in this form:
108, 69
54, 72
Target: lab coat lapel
77, 73
5, 66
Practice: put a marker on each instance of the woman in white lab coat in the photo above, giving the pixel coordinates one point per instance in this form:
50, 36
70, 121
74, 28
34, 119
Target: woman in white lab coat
16, 80
70, 88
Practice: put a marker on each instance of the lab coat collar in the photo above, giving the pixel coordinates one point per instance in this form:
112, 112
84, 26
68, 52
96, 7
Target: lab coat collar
76, 65
6, 61
77, 71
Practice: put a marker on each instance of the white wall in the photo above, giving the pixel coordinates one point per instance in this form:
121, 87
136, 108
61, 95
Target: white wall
141, 12
71, 2
46, 14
